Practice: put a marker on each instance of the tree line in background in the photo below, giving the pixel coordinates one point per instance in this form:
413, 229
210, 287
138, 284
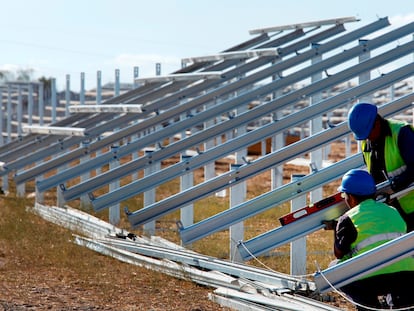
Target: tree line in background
24, 75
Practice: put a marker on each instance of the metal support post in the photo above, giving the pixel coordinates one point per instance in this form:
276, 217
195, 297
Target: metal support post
98, 87
30, 104
187, 181
298, 247
149, 197
209, 168
136, 76
82, 89
41, 98
67, 96
365, 76
53, 99
21, 188
9, 113
117, 83
1, 119
98, 102
158, 69
84, 199
19, 111
316, 127
237, 196
114, 210
277, 142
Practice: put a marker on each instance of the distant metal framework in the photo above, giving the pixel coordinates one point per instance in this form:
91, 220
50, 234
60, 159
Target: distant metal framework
318, 23
271, 106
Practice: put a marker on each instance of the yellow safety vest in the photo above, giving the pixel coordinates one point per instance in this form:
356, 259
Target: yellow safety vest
394, 163
377, 223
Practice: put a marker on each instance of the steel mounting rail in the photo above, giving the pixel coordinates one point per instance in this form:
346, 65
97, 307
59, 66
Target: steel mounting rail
144, 94
257, 205
165, 116
227, 147
219, 183
356, 267
168, 115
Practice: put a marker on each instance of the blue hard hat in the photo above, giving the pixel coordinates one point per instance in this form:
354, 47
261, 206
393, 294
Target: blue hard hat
361, 119
358, 182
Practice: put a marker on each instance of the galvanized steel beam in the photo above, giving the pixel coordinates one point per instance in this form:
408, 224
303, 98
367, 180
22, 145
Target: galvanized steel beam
357, 267
250, 208
230, 146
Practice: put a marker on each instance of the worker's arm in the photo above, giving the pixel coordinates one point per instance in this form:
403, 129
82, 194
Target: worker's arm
345, 235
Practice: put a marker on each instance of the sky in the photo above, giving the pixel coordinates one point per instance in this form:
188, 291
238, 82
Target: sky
56, 38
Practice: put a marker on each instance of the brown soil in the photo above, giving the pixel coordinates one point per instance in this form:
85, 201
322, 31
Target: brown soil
40, 270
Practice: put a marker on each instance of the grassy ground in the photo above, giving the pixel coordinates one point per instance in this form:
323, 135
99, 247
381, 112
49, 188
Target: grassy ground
41, 269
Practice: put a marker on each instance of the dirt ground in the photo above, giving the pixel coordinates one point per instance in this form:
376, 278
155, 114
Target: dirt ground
40, 270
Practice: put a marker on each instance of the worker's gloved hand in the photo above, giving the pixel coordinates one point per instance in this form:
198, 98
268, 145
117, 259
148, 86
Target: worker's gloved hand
329, 224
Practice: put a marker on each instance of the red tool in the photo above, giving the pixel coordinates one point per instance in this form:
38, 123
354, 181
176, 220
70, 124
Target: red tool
310, 209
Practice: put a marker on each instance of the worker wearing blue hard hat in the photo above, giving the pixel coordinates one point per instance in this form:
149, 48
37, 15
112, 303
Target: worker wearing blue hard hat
388, 149
367, 224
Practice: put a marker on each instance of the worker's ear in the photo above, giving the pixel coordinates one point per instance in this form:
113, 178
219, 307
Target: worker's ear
352, 200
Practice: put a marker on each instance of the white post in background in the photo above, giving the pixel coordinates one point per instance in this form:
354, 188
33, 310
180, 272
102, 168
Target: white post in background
316, 156
1, 118
158, 69
149, 196
59, 194
30, 104
19, 111
298, 247
277, 141
8, 129
114, 210
21, 188
135, 155
53, 98
84, 198
186, 181
117, 83
4, 178
209, 168
98, 102
41, 107
82, 89
98, 87
67, 96
136, 76
9, 113
364, 77
237, 196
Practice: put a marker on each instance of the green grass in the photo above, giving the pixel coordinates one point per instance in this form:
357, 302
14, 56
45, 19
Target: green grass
319, 244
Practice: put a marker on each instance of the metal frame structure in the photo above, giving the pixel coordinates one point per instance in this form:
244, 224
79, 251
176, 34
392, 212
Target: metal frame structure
354, 268
260, 111
199, 101
156, 107
197, 104
282, 194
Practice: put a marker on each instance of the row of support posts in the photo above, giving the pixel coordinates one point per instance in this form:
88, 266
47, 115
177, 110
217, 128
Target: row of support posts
237, 191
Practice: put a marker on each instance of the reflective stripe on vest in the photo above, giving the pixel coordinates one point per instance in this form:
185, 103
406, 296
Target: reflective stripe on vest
392, 156
375, 238
397, 172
